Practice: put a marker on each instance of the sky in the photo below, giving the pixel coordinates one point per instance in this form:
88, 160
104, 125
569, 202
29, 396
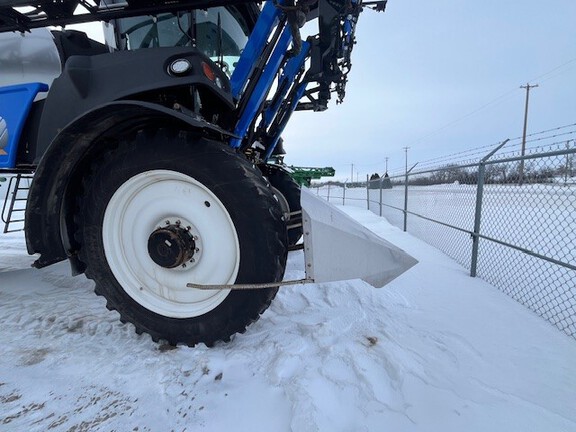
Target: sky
443, 77
440, 78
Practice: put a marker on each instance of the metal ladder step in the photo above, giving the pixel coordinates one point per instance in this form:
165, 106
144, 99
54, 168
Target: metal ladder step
18, 183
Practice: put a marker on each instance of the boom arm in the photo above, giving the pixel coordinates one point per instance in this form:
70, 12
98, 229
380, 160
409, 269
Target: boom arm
15, 15
323, 60
304, 175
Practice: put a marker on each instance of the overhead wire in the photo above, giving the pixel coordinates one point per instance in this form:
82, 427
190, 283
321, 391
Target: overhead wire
573, 60
552, 73
513, 146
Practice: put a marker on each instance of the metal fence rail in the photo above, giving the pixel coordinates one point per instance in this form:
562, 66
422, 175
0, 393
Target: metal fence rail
517, 232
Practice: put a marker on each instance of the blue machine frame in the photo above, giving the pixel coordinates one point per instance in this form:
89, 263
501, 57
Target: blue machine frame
280, 62
266, 58
279, 57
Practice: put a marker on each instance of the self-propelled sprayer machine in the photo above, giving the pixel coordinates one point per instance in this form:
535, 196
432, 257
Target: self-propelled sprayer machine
149, 153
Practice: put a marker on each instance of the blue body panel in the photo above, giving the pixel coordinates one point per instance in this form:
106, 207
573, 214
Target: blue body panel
15, 103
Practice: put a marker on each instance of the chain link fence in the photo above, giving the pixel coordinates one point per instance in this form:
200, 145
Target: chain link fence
509, 220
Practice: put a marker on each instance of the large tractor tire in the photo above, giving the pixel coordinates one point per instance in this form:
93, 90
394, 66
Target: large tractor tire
288, 194
166, 209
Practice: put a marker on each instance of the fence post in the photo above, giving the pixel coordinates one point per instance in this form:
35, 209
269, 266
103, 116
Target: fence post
478, 210
367, 193
344, 195
328, 198
406, 196
405, 201
381, 196
477, 216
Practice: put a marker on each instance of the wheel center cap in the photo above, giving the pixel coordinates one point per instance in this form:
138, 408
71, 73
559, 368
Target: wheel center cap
171, 246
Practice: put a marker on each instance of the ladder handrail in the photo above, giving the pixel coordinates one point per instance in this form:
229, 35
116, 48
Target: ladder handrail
7, 216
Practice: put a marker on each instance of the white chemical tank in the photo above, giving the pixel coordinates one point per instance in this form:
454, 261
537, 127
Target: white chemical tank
29, 57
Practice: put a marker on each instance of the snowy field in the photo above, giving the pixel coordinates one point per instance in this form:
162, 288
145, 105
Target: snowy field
435, 350
537, 217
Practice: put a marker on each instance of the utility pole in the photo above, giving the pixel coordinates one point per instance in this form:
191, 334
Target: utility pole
521, 167
352, 174
386, 165
406, 151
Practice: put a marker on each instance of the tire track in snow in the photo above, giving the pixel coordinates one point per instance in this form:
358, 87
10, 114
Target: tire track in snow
90, 410
55, 331
54, 305
336, 357
353, 333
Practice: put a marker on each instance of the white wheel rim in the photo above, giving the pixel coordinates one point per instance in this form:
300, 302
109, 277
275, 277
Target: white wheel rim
139, 207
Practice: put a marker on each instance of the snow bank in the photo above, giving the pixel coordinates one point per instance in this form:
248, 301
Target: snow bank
435, 350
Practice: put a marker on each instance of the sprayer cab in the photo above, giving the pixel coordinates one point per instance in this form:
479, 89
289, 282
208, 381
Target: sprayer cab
220, 33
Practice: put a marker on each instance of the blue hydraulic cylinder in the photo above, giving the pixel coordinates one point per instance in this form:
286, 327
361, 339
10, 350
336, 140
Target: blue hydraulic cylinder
287, 79
262, 88
301, 89
15, 103
254, 48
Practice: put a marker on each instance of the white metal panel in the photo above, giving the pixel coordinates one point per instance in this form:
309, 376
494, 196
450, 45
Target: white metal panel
336, 247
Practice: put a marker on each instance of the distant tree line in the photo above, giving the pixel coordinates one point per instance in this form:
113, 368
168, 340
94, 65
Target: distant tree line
494, 173
504, 173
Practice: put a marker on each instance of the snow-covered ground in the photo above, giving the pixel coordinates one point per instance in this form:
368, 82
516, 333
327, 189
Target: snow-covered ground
537, 217
435, 350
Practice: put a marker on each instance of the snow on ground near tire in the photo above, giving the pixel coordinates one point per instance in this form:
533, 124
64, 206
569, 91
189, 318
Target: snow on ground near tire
435, 350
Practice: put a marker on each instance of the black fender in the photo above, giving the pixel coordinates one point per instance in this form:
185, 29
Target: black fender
88, 82
57, 180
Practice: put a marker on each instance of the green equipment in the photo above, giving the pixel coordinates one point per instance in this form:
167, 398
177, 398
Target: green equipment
304, 175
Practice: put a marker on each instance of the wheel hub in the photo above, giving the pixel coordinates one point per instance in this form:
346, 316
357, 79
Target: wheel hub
171, 246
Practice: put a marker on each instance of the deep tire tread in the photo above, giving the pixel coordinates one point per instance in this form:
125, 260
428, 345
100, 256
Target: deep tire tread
240, 309
288, 187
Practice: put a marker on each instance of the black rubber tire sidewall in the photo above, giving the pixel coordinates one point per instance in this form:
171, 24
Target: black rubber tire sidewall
249, 202
288, 187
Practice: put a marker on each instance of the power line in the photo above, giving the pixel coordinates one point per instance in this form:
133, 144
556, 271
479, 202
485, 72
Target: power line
514, 147
469, 153
482, 149
446, 126
498, 99
553, 70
